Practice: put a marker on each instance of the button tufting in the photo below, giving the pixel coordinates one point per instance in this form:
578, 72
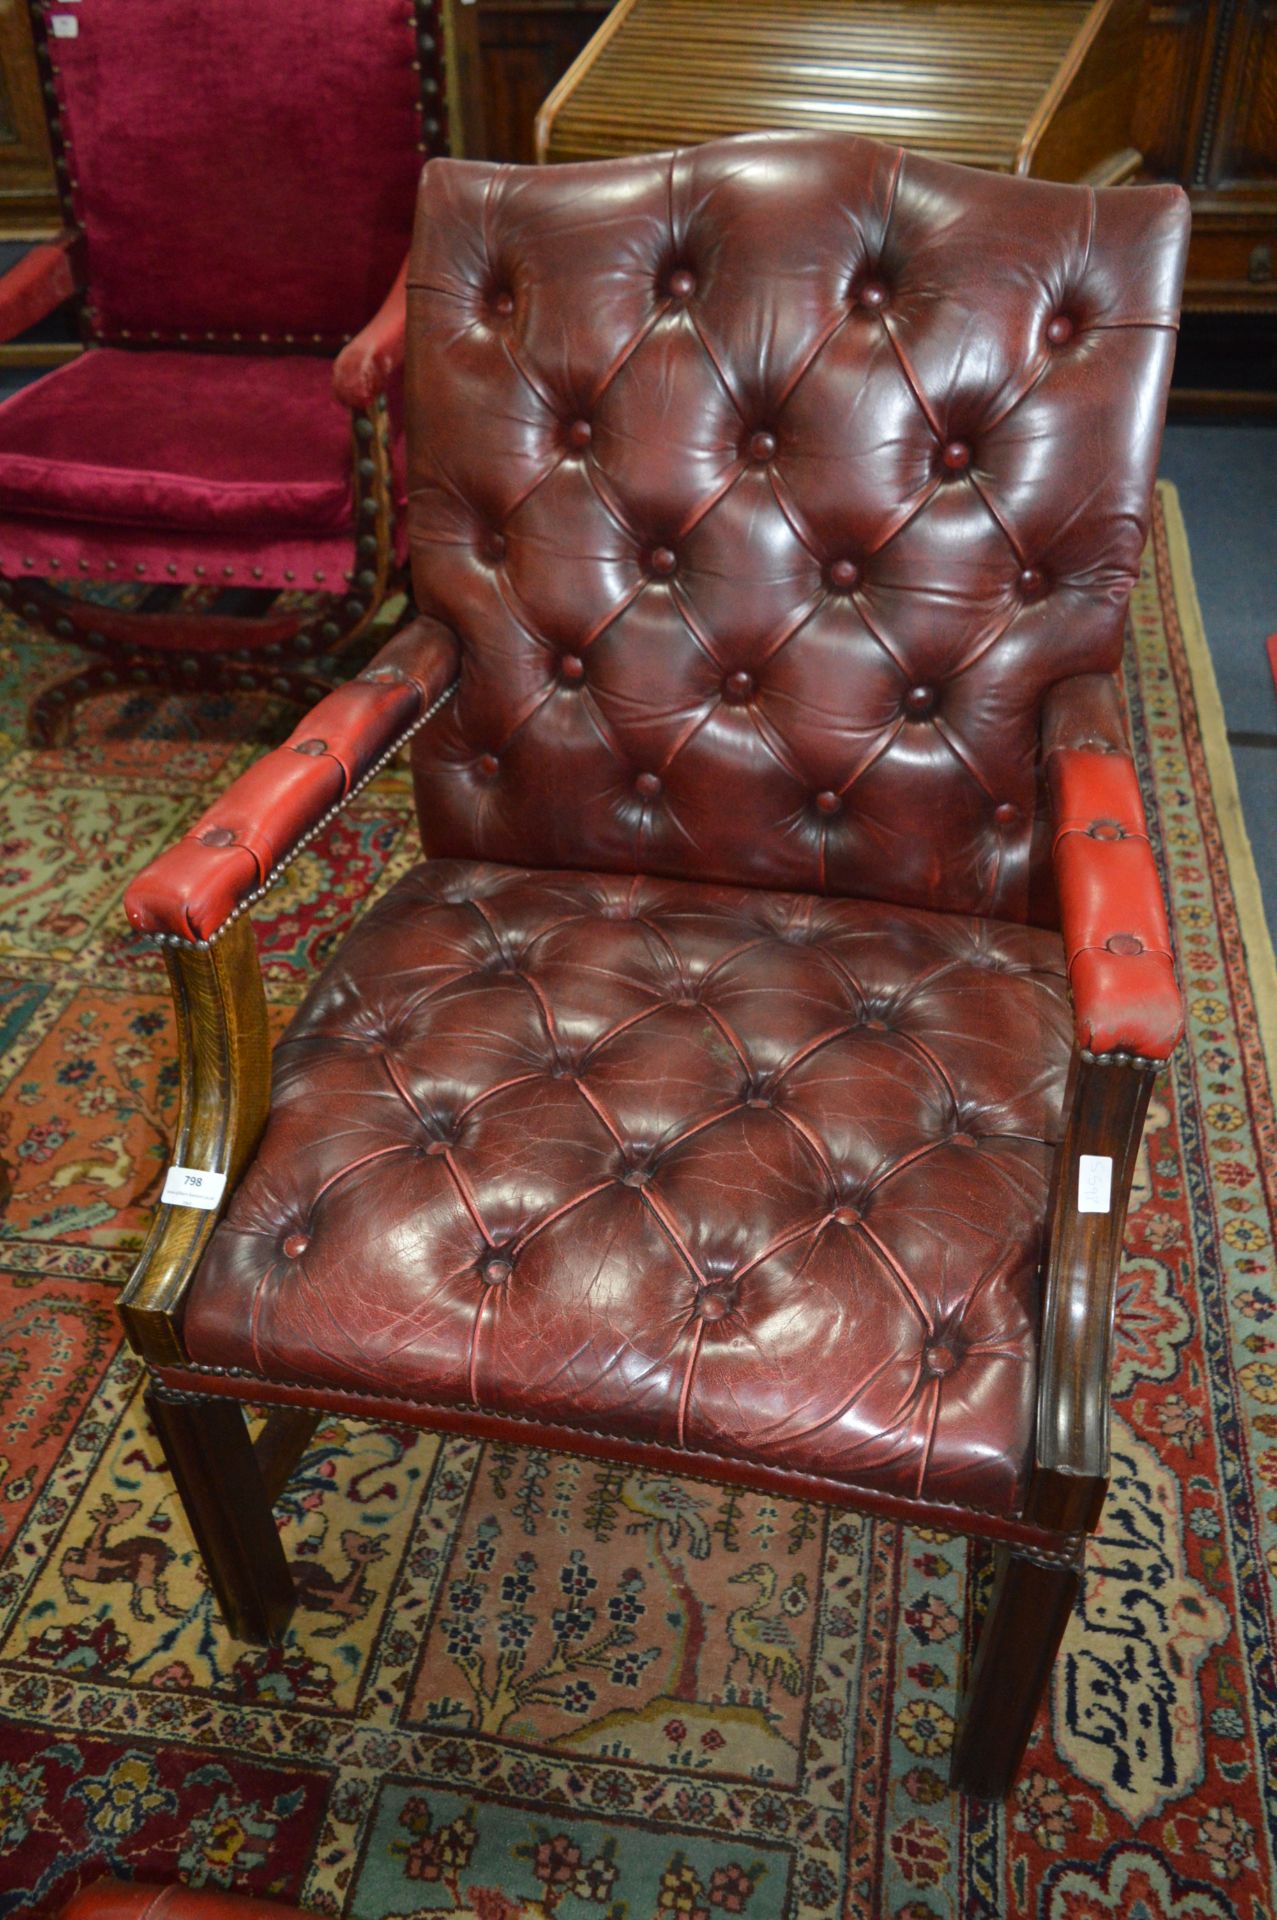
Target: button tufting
848, 1216
296, 1245
1059, 331
1106, 830
503, 303
872, 294
218, 837
486, 765
844, 574
758, 1100
682, 284
963, 1140
738, 686
762, 446
636, 1176
648, 784
1006, 813
580, 433
1031, 580
939, 1358
956, 455
1126, 944
714, 1303
572, 667
919, 702
828, 802
437, 1149
493, 546
311, 748
663, 560
496, 1272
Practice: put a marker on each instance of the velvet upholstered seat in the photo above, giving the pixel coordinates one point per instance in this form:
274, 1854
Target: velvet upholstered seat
731, 1088
237, 185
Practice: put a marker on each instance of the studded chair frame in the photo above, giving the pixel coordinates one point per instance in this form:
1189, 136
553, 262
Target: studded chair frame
1080, 862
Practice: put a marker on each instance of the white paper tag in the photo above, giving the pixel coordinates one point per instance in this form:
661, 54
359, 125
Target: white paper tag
63, 26
1094, 1183
192, 1187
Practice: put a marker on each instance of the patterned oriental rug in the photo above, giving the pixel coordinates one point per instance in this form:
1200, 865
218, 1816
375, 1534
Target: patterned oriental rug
523, 1685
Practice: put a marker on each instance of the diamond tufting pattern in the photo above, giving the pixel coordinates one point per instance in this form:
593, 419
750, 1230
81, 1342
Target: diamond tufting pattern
738, 1172
802, 470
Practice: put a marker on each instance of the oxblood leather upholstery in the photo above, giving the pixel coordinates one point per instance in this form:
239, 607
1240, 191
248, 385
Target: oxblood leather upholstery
135, 1900
697, 1101
743, 1173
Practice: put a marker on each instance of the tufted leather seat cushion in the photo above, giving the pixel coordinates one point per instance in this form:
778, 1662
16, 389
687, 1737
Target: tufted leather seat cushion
744, 1173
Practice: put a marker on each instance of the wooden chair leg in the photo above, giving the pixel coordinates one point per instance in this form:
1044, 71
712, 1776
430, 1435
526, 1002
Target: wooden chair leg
1028, 1611
211, 1458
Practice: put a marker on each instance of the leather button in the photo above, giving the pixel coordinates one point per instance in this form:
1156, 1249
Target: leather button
919, 702
572, 667
939, 1358
848, 1216
956, 455
876, 1026
496, 1272
663, 560
1059, 331
648, 784
1031, 581
1105, 830
714, 1303
738, 686
844, 574
1006, 814
964, 1140
493, 548
828, 802
486, 765
762, 446
758, 1100
437, 1149
296, 1245
503, 303
872, 294
1126, 944
311, 748
636, 1176
682, 284
580, 433
218, 837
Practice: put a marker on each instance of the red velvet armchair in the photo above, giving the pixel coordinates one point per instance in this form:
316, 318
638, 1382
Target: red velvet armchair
237, 186
749, 1081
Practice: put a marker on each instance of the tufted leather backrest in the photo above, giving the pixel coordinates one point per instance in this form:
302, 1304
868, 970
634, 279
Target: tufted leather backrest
768, 486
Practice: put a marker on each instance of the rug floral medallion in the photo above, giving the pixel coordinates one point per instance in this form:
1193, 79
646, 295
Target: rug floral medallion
521, 1684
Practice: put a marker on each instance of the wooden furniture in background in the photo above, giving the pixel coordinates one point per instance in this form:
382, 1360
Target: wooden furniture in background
1206, 115
505, 55
1042, 87
28, 194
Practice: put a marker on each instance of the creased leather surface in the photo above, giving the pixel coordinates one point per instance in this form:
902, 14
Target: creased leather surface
709, 1167
769, 486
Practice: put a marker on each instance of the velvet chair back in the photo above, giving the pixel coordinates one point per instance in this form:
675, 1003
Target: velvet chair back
243, 170
767, 510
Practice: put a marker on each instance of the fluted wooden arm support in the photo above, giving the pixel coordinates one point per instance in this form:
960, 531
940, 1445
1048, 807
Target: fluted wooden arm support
193, 896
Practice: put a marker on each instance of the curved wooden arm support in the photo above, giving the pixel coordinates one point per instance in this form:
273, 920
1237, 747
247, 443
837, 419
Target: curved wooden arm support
1108, 1100
224, 1058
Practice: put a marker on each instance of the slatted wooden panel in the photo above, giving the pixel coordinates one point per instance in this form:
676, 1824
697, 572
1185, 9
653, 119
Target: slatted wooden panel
960, 79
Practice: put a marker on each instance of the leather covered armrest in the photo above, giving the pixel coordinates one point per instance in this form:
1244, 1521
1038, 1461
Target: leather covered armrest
39, 282
363, 368
193, 888
1126, 998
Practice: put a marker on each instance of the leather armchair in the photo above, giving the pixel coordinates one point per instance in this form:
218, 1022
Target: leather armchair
136, 1900
237, 194
749, 1080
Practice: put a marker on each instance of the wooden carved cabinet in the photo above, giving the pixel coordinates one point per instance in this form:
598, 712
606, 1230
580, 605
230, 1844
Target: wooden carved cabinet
1206, 116
28, 196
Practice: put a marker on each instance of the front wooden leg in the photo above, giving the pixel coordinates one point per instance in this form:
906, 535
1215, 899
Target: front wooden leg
219, 1481
1028, 1612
